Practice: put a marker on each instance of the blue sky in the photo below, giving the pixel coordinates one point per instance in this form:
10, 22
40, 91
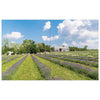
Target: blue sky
53, 32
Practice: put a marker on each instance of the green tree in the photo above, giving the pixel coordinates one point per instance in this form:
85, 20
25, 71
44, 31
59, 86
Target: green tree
41, 47
29, 46
52, 48
5, 46
14, 47
47, 47
85, 47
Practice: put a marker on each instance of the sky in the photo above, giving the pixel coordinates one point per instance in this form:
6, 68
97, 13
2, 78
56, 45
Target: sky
68, 32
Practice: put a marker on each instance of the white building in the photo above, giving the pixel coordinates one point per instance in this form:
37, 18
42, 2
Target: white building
9, 53
61, 49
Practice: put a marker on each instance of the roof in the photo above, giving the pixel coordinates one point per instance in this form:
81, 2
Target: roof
61, 47
64, 48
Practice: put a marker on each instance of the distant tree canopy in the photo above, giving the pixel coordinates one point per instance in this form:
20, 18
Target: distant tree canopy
5, 45
78, 49
28, 46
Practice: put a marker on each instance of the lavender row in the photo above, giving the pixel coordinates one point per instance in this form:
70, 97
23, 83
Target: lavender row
82, 61
44, 70
7, 75
9, 60
6, 57
78, 57
75, 67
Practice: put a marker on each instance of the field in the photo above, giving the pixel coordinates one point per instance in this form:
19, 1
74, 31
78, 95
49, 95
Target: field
76, 65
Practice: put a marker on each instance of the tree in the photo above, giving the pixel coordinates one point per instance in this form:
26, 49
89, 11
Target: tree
21, 49
14, 47
85, 47
29, 46
52, 48
5, 46
78, 49
41, 47
47, 48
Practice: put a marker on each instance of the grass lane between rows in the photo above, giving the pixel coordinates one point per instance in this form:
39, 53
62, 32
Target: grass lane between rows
27, 71
9, 58
59, 71
10, 63
74, 62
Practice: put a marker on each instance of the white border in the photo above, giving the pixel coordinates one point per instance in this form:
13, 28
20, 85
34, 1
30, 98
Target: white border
49, 90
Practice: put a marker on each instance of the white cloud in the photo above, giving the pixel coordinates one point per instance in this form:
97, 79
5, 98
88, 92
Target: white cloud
76, 27
13, 35
71, 26
74, 43
12, 42
82, 31
46, 38
47, 26
87, 34
65, 44
90, 43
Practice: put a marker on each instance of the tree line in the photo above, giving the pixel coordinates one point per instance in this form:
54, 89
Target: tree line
28, 46
78, 49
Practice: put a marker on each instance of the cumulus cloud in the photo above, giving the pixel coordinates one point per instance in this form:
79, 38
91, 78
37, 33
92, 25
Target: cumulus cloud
14, 35
12, 42
90, 43
76, 27
65, 44
83, 31
47, 26
74, 43
46, 38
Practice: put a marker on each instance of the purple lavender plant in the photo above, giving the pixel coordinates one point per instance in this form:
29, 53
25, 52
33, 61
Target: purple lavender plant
75, 67
7, 75
82, 61
44, 70
76, 57
5, 57
9, 60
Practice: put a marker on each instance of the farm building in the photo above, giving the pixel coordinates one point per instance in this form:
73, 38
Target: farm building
10, 53
61, 49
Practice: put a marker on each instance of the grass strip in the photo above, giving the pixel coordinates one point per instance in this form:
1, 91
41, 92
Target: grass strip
27, 71
9, 60
75, 67
62, 73
9, 64
77, 57
88, 53
44, 70
80, 61
6, 57
7, 75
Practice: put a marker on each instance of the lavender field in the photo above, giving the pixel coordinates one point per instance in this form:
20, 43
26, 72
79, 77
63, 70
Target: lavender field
52, 66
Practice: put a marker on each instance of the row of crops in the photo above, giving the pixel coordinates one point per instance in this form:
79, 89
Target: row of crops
49, 67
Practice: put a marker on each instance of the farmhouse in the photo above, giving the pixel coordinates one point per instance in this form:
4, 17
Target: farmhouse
61, 49
8, 53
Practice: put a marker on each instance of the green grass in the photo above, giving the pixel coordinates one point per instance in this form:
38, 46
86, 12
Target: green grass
89, 53
58, 71
10, 63
27, 71
92, 67
10, 58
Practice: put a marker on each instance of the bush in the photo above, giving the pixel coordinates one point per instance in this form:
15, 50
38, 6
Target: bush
77, 68
93, 75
